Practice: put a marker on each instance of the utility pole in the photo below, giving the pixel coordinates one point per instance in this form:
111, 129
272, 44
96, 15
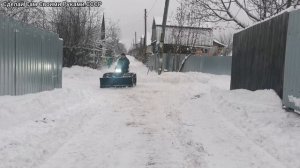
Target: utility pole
102, 37
135, 40
162, 37
145, 37
133, 44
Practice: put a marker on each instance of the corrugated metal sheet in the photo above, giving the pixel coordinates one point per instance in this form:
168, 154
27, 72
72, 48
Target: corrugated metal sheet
59, 63
291, 87
258, 56
205, 64
31, 58
2, 63
7, 56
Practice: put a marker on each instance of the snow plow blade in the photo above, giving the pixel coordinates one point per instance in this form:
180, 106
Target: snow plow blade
117, 80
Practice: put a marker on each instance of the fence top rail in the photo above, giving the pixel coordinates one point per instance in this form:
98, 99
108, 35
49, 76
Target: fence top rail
263, 21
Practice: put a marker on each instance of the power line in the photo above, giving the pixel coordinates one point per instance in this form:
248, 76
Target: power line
152, 6
136, 21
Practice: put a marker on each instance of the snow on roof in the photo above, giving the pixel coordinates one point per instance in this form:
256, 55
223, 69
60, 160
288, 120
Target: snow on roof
185, 27
216, 41
202, 36
159, 20
294, 100
185, 35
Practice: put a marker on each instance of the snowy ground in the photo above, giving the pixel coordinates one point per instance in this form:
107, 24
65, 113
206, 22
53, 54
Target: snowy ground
176, 120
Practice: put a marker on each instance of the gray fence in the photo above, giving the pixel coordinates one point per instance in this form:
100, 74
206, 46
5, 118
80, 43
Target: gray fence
213, 65
291, 89
266, 56
30, 58
258, 56
185, 63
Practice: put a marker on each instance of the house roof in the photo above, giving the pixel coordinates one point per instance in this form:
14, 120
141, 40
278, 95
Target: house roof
219, 43
184, 35
159, 20
186, 27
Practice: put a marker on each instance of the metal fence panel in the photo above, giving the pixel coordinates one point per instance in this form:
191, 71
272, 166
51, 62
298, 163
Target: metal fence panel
59, 62
53, 60
19, 60
30, 58
45, 63
291, 88
28, 53
206, 64
2, 56
217, 65
7, 55
26, 56
35, 62
172, 62
193, 64
258, 56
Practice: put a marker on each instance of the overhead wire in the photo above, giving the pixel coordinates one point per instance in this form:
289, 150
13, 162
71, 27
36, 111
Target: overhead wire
149, 11
152, 6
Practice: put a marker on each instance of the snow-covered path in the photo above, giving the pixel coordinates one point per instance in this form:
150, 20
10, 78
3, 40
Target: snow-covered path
176, 120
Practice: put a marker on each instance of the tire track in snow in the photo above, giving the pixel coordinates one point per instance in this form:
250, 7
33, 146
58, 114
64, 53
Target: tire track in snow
168, 143
105, 141
44, 137
166, 121
223, 141
259, 139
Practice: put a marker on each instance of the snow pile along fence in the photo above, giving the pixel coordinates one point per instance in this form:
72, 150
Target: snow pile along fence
266, 56
30, 58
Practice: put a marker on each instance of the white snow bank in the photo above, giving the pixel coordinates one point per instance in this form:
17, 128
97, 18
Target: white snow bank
260, 116
172, 120
295, 100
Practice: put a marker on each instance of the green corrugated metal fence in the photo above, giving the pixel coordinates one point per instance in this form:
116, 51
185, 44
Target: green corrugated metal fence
30, 58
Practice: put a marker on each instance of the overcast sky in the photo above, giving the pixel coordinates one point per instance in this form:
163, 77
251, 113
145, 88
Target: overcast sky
130, 15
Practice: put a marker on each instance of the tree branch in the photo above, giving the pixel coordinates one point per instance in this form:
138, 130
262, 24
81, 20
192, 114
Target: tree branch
246, 10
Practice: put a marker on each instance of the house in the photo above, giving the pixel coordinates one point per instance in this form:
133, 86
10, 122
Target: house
218, 48
186, 40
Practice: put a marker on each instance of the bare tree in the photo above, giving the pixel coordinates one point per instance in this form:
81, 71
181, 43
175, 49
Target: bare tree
227, 39
80, 29
188, 31
31, 15
113, 35
240, 12
183, 34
